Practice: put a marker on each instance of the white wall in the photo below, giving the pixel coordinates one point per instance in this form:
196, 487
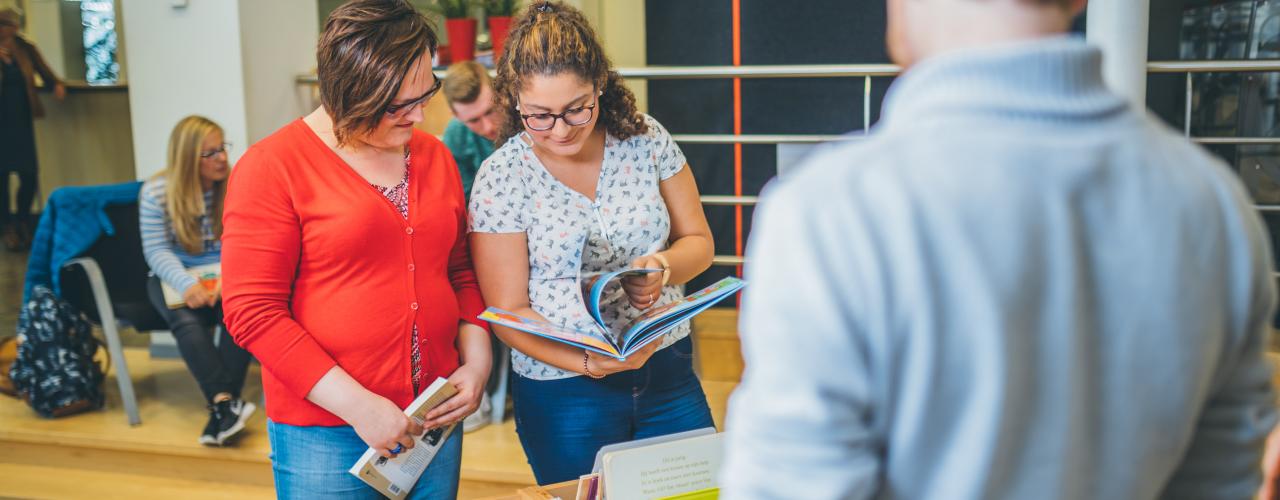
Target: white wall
232, 61
44, 27
278, 43
182, 61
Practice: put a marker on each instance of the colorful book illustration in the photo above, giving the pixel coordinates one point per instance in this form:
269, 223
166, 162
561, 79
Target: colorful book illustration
604, 287
209, 276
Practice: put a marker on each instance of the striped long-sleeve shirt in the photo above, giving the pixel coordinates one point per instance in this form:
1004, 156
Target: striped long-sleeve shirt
160, 247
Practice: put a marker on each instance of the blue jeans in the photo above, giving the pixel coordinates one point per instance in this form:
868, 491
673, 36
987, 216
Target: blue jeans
311, 463
563, 423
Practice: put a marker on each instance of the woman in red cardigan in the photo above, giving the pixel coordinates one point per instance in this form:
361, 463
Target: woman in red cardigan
345, 262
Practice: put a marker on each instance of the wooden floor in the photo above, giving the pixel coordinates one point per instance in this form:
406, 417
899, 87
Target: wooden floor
13, 267
98, 454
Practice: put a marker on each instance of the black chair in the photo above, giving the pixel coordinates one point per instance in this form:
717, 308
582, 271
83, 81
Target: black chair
109, 283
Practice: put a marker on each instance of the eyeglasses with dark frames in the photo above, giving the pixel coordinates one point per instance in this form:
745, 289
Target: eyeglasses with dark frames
398, 110
222, 148
576, 117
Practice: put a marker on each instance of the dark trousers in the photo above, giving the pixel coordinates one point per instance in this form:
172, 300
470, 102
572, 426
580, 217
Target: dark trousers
218, 368
563, 423
26, 194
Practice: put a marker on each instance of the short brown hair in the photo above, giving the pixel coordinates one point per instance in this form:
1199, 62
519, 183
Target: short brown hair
367, 48
552, 38
463, 82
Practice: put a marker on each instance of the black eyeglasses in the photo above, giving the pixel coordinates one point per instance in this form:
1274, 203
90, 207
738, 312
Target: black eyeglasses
398, 110
576, 117
214, 152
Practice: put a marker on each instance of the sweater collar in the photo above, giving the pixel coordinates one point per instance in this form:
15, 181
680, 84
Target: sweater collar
1050, 79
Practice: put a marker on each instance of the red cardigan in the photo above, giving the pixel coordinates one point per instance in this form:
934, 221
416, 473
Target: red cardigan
319, 269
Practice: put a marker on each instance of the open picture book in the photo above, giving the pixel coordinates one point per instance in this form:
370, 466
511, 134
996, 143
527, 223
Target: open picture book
650, 326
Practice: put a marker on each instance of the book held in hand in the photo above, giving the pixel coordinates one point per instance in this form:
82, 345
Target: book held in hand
650, 326
394, 477
209, 276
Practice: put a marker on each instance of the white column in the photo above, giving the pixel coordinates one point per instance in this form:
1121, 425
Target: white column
1119, 28
233, 62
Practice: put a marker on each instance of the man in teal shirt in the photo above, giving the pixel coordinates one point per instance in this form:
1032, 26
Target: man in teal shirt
476, 121
469, 136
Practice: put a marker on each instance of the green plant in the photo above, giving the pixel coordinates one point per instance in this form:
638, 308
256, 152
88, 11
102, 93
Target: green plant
453, 9
497, 8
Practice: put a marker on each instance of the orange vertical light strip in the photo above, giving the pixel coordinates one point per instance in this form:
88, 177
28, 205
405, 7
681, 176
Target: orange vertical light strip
737, 130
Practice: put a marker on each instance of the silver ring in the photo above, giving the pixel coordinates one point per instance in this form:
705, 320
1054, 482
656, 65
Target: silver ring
399, 448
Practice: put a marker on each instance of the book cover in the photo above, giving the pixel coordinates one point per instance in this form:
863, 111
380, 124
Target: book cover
209, 276
394, 477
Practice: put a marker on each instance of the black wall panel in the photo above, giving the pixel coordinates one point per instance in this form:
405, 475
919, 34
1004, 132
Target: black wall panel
684, 33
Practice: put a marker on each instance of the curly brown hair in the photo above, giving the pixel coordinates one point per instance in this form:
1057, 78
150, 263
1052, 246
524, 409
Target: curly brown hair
551, 38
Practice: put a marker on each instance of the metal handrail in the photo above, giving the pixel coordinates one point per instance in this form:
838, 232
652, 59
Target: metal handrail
758, 138
761, 71
720, 200
727, 260
1240, 141
1233, 66
873, 70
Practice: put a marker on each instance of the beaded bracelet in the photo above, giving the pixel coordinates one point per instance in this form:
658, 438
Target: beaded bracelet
586, 357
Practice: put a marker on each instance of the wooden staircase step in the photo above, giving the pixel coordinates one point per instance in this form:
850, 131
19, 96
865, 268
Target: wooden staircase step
715, 337
40, 481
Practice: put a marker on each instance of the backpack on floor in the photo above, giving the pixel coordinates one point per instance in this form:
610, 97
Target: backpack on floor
55, 371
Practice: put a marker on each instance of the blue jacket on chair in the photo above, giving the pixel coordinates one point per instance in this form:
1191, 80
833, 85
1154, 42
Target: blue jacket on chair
72, 221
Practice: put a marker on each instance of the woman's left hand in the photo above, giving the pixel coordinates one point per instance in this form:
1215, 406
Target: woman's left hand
60, 91
470, 382
644, 290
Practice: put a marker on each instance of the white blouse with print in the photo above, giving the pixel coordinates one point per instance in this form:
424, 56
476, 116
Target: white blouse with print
568, 232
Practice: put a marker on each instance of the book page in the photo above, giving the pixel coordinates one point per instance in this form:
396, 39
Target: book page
606, 288
586, 340
663, 318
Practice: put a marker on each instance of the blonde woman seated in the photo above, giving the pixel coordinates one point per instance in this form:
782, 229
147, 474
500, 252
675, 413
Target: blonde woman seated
180, 212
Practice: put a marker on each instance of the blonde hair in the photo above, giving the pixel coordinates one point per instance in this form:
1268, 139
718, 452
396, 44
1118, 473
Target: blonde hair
184, 195
464, 81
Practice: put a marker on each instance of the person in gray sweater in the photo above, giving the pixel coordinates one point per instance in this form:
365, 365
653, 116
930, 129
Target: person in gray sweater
1019, 286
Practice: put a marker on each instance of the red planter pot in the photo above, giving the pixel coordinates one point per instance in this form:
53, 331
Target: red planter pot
499, 26
462, 39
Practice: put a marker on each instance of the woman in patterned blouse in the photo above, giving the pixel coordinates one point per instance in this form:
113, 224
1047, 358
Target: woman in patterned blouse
583, 182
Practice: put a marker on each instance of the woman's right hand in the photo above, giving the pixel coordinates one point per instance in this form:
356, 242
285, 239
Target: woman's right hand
196, 297
383, 426
601, 366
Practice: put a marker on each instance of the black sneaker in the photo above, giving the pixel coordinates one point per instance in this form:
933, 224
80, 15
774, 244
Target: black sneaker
210, 435
231, 414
